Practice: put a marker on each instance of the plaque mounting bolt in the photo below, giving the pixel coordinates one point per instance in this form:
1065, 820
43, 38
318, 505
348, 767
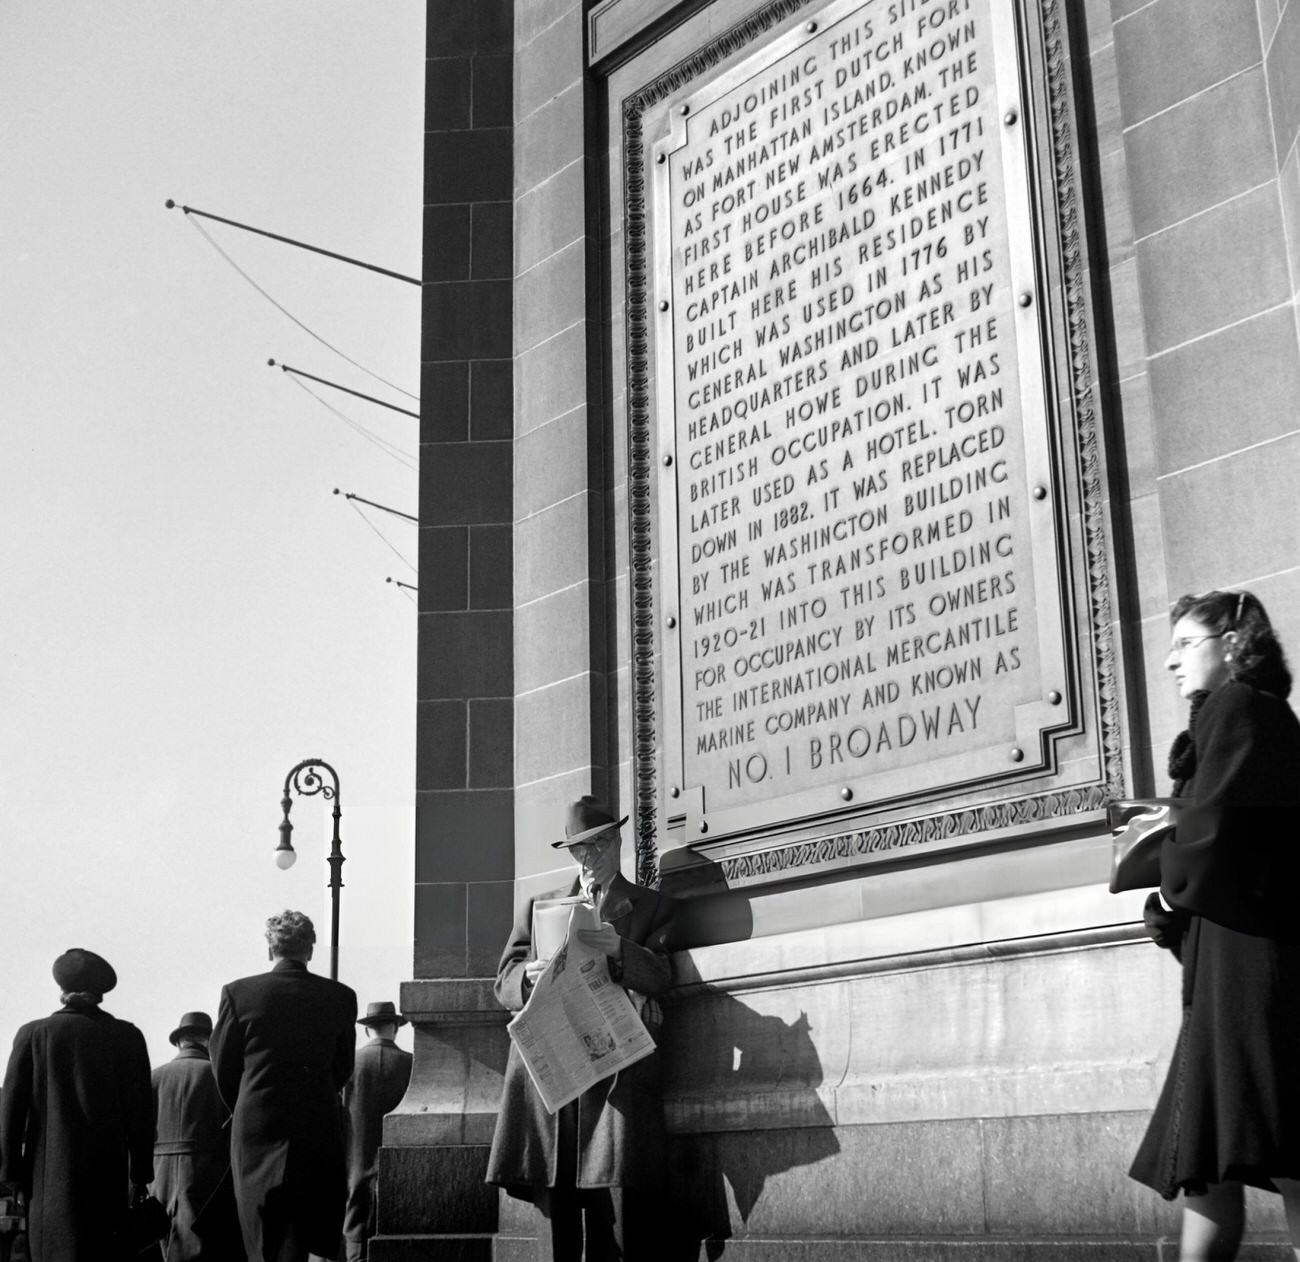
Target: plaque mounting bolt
1040, 492
1026, 298
662, 158
675, 792
1011, 117
668, 460
1017, 754
663, 304
672, 622
686, 109
811, 28
704, 825
846, 793
1054, 697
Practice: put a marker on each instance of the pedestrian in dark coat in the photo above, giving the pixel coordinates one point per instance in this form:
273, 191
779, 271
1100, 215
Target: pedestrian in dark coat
191, 1153
282, 1050
592, 1168
378, 1084
1229, 1114
76, 1118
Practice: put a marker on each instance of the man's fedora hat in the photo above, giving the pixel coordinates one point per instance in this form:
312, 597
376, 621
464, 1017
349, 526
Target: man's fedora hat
191, 1023
384, 1011
80, 970
587, 817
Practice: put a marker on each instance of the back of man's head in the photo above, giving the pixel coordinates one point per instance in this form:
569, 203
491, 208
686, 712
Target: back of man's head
290, 936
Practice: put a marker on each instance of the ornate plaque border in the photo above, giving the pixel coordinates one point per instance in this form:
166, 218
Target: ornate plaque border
801, 857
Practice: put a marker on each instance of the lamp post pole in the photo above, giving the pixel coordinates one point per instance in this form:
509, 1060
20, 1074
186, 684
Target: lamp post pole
306, 781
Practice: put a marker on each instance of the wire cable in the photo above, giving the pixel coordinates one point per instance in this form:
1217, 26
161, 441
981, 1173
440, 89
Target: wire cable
208, 237
407, 458
387, 542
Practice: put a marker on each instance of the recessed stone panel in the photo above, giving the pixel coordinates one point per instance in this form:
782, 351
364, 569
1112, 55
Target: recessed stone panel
1209, 149
553, 728
551, 378
551, 296
553, 63
551, 215
1284, 80
1213, 270
1169, 50
1259, 484
1249, 372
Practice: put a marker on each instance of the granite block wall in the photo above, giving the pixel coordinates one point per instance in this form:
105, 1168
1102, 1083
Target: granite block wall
562, 514
1196, 130
464, 791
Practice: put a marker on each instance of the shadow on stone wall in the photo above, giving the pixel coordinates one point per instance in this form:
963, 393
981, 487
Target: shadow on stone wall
743, 1106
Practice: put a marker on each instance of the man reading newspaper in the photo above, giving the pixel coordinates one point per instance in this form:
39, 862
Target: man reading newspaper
592, 1166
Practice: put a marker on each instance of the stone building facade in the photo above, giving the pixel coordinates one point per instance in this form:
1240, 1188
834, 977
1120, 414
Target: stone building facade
909, 1020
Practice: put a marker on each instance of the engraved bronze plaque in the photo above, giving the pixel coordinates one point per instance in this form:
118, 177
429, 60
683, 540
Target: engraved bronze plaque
861, 527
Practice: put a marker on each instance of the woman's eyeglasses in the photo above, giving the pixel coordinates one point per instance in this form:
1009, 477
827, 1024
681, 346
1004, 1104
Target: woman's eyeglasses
1191, 641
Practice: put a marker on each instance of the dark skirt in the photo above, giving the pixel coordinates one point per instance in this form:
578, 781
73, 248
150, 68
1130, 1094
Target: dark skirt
1230, 1107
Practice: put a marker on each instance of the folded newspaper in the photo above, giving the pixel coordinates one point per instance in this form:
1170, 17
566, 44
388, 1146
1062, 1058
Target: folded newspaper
579, 1026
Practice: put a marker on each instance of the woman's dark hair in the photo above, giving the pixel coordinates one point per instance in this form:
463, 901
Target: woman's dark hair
1257, 657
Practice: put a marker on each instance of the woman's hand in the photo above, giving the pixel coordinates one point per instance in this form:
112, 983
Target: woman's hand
604, 939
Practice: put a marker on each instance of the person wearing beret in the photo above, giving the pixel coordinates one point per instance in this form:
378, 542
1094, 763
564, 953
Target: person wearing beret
282, 1050
592, 1168
376, 1088
191, 1153
76, 1118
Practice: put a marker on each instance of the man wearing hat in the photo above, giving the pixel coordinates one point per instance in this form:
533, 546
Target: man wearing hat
76, 1117
593, 1167
376, 1088
192, 1150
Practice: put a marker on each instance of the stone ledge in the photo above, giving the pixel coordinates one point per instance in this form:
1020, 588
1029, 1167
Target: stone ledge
442, 999
1031, 924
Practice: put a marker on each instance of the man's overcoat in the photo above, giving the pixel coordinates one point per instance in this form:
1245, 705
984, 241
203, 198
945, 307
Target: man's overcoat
282, 1050
192, 1149
619, 1121
76, 1129
378, 1084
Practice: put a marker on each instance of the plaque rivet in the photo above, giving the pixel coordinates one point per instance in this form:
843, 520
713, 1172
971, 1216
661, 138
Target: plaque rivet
663, 304
1017, 755
676, 792
1011, 117
662, 158
846, 793
811, 28
704, 825
672, 622
668, 460
686, 109
1040, 492
1054, 697
1026, 299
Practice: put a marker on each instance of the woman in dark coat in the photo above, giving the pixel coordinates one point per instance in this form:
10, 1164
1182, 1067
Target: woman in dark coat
1229, 1113
593, 1167
77, 1118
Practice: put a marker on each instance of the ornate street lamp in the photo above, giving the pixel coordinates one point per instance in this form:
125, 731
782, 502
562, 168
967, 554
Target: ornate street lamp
306, 782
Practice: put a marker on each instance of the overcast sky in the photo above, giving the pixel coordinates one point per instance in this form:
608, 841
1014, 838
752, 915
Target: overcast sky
187, 609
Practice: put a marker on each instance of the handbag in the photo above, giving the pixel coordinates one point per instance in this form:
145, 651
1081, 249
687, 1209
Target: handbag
143, 1225
1139, 827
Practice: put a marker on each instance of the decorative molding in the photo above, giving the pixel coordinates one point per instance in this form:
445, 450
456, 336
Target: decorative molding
804, 857
747, 869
